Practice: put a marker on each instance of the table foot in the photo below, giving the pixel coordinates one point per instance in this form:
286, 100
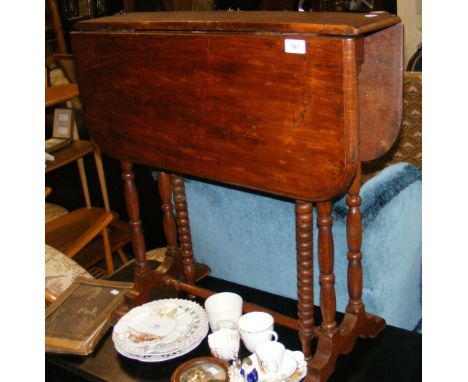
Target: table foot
331, 345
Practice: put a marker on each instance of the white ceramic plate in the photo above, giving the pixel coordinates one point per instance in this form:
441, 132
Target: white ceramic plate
159, 357
160, 328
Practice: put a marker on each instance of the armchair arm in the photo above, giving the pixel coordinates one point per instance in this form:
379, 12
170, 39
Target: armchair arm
379, 190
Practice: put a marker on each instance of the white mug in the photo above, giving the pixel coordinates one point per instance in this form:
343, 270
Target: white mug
221, 307
270, 356
255, 328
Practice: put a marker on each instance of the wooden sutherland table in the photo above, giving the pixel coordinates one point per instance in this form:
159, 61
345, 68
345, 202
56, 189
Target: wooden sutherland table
215, 95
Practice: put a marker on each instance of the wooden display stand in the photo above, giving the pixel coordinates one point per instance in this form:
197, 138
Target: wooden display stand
75, 151
286, 103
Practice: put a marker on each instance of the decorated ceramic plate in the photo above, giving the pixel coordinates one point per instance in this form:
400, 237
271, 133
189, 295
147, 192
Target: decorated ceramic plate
158, 357
160, 328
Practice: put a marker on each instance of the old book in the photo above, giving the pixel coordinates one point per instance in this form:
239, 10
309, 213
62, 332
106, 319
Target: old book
78, 319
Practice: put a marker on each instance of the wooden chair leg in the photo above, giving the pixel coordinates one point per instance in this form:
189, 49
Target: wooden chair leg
58, 29
305, 274
107, 252
84, 181
183, 228
102, 178
122, 255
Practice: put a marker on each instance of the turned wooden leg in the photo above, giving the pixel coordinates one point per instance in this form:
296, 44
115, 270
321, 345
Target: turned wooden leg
326, 262
354, 236
305, 274
183, 228
138, 240
333, 340
169, 223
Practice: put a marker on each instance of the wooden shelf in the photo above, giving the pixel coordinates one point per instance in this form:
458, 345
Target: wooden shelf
93, 253
57, 94
61, 232
70, 153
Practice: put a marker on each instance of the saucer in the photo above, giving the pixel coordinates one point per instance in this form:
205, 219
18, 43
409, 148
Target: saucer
293, 369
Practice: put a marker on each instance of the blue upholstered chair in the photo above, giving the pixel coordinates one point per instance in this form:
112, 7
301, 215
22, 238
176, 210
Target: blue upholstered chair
249, 238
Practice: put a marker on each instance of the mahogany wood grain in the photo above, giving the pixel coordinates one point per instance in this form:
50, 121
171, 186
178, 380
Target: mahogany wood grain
305, 274
380, 91
169, 223
323, 23
326, 264
194, 101
214, 95
183, 227
354, 238
133, 209
247, 307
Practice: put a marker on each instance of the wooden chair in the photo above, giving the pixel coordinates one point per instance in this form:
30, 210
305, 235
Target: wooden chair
72, 232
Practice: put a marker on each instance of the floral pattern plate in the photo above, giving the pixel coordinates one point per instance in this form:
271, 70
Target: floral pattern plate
158, 357
160, 330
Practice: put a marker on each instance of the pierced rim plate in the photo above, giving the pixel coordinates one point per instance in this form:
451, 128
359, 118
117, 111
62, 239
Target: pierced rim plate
159, 357
160, 328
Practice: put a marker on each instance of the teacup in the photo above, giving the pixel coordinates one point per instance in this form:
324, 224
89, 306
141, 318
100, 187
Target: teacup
270, 356
255, 328
221, 307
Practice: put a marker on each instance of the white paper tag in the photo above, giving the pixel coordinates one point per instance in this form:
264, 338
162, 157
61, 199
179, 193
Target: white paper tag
114, 292
294, 46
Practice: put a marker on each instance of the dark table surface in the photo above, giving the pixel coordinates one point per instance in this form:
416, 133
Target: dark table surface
395, 355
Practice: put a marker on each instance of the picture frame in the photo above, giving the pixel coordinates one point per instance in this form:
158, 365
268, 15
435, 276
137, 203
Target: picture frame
63, 123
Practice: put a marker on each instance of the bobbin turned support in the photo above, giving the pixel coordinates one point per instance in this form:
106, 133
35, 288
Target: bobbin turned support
178, 262
333, 340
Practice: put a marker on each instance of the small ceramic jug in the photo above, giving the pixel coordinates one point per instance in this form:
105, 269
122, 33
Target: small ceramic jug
224, 343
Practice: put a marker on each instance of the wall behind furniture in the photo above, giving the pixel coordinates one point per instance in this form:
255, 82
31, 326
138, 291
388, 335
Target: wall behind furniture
410, 12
